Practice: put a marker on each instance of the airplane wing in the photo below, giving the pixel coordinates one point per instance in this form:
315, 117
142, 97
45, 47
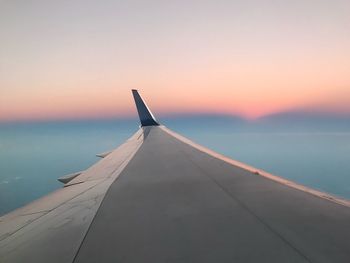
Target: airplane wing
161, 198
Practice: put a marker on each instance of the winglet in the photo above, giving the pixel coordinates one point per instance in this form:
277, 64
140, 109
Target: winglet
145, 115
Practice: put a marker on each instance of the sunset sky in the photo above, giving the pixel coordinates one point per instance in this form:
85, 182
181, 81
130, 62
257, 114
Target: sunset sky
80, 59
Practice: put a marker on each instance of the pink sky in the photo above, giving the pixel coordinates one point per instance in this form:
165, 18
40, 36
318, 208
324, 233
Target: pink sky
80, 60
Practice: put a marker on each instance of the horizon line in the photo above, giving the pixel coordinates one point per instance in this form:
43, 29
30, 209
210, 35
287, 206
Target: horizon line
175, 115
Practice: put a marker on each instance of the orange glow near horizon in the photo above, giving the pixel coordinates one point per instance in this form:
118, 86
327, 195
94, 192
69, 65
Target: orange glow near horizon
248, 103
247, 59
243, 89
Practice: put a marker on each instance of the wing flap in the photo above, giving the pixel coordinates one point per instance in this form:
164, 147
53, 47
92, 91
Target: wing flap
67, 178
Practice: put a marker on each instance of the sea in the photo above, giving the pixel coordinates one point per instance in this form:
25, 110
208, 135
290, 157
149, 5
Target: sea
311, 151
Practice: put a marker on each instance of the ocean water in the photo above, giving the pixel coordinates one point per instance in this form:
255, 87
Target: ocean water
34, 155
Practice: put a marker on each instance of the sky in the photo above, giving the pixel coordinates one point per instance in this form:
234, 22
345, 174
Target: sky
80, 58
